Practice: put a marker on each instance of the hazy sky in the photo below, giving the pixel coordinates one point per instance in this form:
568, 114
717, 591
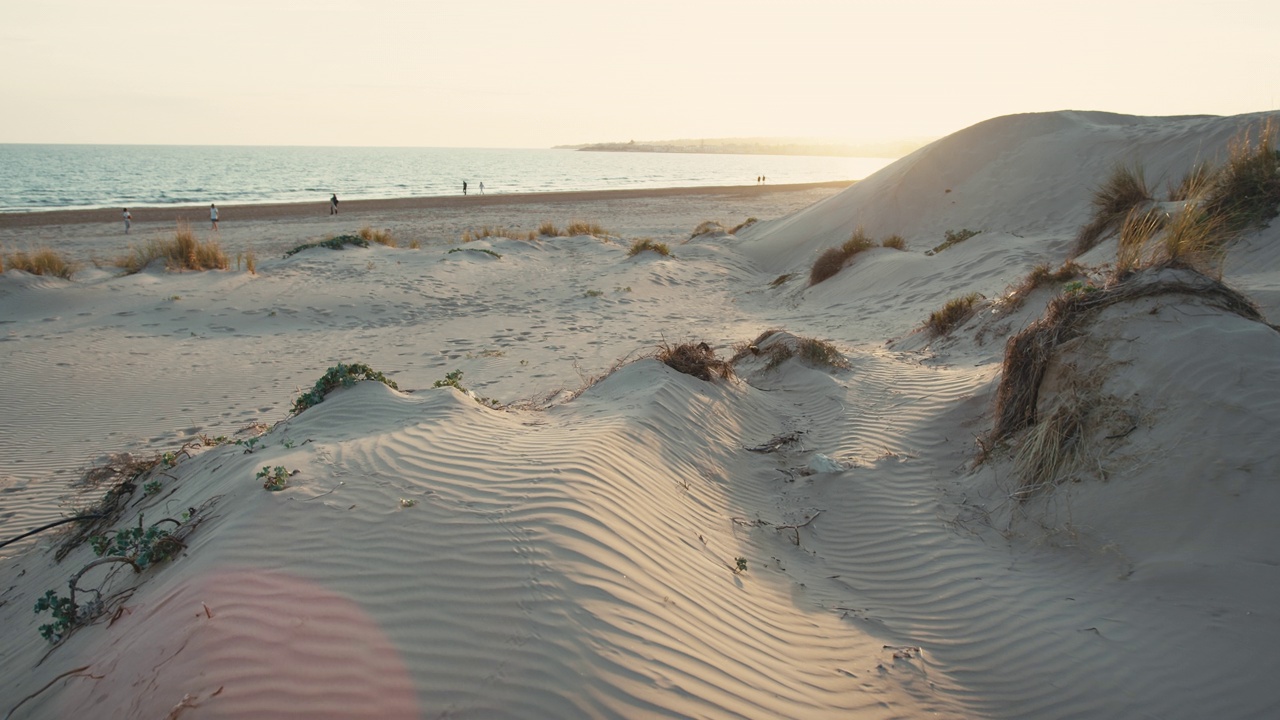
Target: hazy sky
535, 73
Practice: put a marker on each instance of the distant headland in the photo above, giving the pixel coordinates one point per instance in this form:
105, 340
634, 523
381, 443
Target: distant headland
760, 146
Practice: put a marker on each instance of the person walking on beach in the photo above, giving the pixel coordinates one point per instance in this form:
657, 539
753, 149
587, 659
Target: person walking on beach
213, 215
464, 187
128, 220
481, 187
333, 204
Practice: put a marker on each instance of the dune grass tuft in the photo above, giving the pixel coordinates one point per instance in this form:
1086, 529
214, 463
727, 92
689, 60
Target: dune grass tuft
811, 351
182, 252
548, 229
1194, 184
696, 359
1050, 450
584, 227
894, 242
952, 314
833, 260
1245, 192
820, 353
39, 262
744, 225
1040, 276
1125, 189
643, 244
488, 231
382, 237
705, 227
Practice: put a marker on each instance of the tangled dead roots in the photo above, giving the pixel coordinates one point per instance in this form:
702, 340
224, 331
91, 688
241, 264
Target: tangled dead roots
1027, 354
696, 359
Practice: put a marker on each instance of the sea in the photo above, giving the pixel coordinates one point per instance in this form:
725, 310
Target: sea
64, 177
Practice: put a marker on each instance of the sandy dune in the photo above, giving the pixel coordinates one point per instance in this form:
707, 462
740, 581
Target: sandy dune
564, 539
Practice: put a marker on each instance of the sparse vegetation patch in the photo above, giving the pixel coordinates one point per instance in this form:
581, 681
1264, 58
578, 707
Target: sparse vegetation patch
333, 243
475, 250
339, 375
953, 237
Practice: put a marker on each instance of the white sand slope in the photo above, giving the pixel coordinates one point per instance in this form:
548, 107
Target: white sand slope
434, 556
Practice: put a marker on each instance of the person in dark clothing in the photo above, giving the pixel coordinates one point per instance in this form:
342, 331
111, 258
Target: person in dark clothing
333, 204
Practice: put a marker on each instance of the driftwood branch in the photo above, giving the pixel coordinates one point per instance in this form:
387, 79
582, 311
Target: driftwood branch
48, 685
796, 528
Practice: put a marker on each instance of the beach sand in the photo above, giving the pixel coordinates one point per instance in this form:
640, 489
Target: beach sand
572, 528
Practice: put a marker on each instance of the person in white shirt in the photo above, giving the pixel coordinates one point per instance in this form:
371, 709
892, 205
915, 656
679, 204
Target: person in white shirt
128, 219
213, 215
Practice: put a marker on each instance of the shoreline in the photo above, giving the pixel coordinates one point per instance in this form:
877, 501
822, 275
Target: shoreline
272, 211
